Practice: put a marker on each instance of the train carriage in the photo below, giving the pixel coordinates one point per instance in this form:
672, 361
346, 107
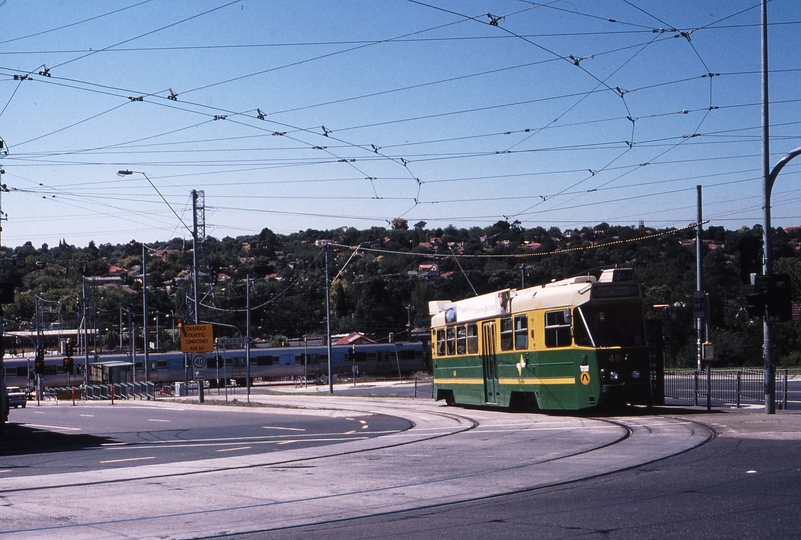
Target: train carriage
274, 363
567, 345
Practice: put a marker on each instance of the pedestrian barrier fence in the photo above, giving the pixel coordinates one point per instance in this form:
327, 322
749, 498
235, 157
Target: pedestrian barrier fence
138, 390
728, 386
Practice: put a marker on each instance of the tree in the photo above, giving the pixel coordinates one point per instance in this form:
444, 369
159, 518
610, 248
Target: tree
400, 224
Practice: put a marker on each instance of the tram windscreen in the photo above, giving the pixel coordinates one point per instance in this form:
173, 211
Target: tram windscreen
610, 325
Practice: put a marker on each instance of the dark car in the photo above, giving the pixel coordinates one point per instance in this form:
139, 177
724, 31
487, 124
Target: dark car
16, 397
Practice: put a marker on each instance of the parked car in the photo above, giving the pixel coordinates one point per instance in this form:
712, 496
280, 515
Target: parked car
16, 397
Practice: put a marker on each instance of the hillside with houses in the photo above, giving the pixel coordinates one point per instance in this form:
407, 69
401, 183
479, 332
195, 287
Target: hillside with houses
382, 280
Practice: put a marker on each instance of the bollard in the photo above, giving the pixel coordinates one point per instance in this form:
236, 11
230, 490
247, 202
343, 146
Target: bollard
112, 393
72, 388
784, 398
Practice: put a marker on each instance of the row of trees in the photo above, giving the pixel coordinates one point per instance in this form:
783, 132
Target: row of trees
380, 291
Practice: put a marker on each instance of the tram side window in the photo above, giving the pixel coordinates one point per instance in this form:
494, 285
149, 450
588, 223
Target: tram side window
472, 339
506, 334
461, 337
557, 328
440, 342
521, 332
451, 341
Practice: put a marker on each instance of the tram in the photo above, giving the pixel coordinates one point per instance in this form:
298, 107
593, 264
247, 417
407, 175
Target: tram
572, 344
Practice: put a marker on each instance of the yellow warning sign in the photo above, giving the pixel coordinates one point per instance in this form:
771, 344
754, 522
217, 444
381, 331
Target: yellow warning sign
197, 338
585, 378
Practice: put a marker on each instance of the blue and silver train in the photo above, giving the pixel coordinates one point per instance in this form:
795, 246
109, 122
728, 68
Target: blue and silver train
266, 364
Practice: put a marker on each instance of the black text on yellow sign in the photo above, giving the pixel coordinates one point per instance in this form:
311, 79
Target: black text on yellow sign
197, 338
585, 378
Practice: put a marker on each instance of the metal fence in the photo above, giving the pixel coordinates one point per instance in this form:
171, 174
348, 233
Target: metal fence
139, 390
728, 386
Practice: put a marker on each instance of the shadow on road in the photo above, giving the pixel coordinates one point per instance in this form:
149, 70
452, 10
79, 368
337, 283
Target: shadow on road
21, 439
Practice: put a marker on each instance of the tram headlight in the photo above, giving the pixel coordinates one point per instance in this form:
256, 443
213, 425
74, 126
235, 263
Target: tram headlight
635, 374
613, 376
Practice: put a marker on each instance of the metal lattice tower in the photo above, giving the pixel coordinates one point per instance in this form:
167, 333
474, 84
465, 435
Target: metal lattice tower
200, 215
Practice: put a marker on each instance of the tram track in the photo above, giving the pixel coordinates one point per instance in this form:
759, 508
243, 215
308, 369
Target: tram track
440, 467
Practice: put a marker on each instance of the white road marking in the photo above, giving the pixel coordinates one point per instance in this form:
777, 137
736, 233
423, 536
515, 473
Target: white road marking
128, 459
56, 428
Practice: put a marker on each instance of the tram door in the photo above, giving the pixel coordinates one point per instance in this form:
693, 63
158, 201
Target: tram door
490, 361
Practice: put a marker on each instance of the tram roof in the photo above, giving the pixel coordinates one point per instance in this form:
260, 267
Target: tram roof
567, 292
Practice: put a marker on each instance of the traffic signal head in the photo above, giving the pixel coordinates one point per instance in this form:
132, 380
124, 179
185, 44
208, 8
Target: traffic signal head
779, 298
755, 304
39, 365
773, 297
69, 364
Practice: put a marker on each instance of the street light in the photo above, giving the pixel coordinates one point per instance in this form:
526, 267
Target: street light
192, 231
768, 351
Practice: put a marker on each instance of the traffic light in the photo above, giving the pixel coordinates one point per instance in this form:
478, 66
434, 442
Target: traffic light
755, 304
70, 349
69, 365
773, 294
39, 363
779, 301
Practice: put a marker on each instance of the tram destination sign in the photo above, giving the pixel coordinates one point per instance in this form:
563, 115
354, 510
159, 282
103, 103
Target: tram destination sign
197, 338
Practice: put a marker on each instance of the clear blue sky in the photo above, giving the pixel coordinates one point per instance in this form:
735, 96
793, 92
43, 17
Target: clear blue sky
330, 114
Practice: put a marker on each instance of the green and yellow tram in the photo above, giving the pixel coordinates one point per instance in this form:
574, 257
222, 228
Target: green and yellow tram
566, 345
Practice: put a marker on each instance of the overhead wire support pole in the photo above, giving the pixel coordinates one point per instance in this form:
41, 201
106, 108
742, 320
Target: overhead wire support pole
328, 319
768, 350
767, 266
144, 313
247, 336
195, 280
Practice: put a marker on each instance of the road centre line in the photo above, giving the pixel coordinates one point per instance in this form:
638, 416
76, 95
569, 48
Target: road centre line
56, 428
227, 440
128, 459
190, 444
284, 428
234, 449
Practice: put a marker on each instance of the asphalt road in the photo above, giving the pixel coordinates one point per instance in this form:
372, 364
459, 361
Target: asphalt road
455, 473
729, 488
59, 439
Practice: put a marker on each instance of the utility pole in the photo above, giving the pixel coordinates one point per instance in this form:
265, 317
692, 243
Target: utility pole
328, 318
195, 247
247, 335
85, 339
144, 309
767, 266
700, 304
